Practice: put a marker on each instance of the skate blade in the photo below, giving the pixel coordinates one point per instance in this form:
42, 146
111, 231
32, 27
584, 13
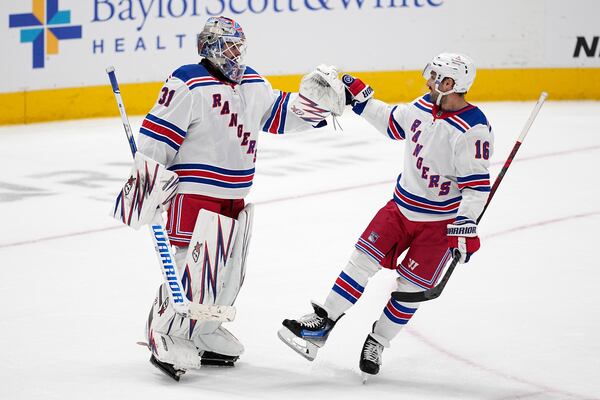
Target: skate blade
306, 349
364, 377
167, 369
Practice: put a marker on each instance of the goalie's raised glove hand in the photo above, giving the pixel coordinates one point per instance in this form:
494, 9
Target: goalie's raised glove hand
321, 94
356, 90
462, 238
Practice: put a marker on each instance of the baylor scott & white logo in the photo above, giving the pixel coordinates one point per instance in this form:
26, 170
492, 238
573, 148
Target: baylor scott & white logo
44, 27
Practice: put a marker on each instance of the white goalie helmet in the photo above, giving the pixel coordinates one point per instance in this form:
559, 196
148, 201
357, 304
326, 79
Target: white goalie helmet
451, 65
223, 42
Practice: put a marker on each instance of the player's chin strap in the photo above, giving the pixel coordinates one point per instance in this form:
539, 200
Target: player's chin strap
441, 94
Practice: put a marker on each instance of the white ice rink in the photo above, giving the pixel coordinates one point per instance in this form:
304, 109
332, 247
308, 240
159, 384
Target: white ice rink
520, 321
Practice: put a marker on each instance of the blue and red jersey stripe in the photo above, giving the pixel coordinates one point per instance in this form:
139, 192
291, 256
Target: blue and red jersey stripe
479, 182
215, 176
420, 204
394, 129
276, 121
163, 131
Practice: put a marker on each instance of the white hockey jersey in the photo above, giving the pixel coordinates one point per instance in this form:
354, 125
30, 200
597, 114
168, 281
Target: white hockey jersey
206, 130
446, 157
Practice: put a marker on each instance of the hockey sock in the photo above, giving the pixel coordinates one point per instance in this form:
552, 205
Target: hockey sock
395, 315
350, 284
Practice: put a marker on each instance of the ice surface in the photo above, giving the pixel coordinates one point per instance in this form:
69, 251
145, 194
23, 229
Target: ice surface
521, 321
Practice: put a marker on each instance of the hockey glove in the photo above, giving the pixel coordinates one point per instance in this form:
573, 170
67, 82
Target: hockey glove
321, 94
462, 239
357, 91
150, 186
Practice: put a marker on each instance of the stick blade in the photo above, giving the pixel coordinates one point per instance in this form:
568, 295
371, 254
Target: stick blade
416, 297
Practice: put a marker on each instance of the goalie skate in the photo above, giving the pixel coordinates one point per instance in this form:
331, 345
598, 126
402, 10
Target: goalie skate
167, 369
301, 346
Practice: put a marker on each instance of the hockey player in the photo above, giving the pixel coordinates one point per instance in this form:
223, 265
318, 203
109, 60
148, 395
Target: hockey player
200, 138
437, 199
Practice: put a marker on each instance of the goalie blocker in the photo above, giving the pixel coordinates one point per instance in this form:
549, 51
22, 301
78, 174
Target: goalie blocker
149, 186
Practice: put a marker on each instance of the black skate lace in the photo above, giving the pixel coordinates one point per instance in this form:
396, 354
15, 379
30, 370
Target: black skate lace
311, 320
372, 351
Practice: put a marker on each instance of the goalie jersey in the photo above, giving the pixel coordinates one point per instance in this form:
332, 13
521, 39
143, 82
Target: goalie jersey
446, 157
206, 130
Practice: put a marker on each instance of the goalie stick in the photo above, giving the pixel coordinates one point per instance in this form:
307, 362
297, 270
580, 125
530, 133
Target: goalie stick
170, 274
435, 292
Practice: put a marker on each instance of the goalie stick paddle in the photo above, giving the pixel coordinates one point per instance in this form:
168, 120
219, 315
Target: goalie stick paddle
435, 292
162, 247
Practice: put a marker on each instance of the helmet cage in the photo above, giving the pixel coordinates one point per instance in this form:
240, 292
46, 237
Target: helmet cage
223, 42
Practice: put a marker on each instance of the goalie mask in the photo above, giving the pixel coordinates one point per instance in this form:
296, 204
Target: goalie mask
223, 43
449, 65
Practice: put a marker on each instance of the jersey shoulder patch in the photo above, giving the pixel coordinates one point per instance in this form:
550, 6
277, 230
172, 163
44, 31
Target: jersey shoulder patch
194, 76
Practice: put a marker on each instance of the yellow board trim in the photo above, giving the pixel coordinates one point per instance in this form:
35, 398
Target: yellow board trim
389, 86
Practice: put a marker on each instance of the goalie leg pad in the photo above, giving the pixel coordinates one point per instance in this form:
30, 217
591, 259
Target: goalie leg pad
232, 273
235, 275
215, 262
207, 261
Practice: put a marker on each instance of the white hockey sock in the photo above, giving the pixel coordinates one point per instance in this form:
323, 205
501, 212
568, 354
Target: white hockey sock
395, 315
350, 284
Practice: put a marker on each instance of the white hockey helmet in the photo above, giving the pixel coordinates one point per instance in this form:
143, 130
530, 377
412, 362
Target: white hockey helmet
223, 42
451, 65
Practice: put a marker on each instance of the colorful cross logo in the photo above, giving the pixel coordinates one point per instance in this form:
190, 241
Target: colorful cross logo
42, 28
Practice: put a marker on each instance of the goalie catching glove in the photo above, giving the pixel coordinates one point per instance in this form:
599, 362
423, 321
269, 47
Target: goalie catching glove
321, 94
150, 186
463, 239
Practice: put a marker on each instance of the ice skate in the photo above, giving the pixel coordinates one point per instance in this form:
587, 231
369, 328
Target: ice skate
370, 357
168, 369
308, 333
211, 359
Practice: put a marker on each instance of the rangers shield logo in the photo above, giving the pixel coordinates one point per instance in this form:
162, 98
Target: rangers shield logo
196, 252
373, 237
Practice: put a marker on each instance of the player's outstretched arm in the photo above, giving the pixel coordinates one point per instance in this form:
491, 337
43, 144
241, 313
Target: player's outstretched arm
385, 118
321, 94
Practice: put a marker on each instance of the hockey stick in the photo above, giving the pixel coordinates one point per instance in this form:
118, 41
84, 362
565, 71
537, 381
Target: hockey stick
170, 274
435, 292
